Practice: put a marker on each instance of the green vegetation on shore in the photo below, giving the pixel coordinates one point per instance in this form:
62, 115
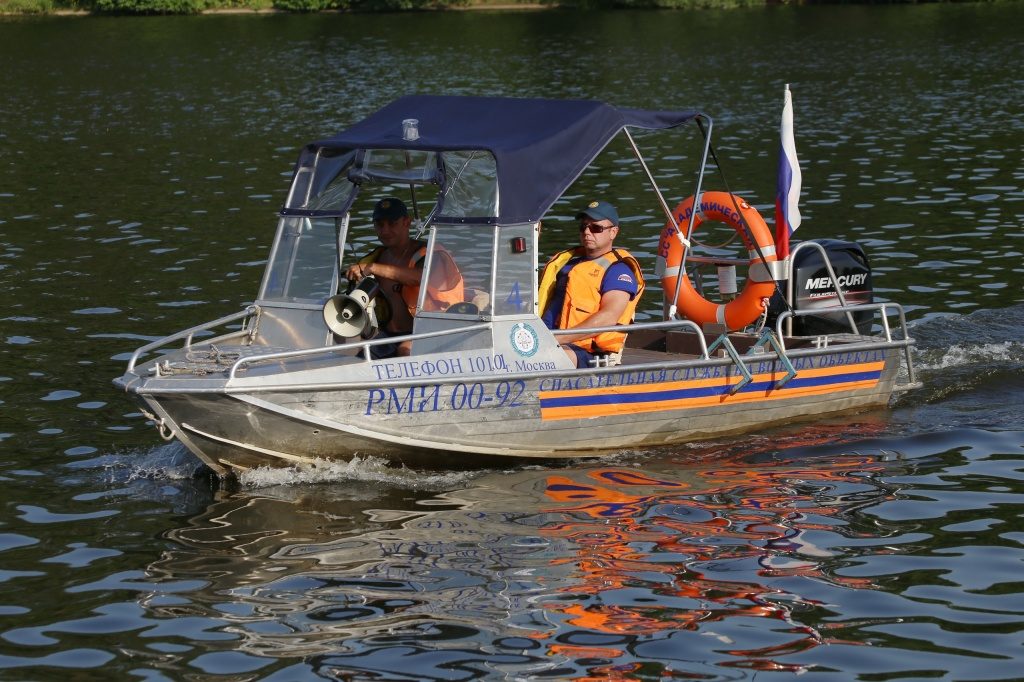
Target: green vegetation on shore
200, 6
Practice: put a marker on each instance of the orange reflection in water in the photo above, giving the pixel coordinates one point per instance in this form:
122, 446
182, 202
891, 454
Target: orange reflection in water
638, 534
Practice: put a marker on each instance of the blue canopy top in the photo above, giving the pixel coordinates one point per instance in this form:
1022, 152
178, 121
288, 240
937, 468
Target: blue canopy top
540, 146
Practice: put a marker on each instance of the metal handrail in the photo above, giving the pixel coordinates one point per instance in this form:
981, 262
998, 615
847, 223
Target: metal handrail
881, 308
580, 372
885, 309
187, 334
364, 345
627, 328
831, 273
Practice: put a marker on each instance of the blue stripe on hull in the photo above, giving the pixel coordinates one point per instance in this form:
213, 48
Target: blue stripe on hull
612, 397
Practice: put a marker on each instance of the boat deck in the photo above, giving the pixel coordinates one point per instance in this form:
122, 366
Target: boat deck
640, 356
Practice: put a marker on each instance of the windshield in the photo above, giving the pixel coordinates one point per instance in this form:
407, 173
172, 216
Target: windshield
321, 180
325, 179
471, 185
302, 268
510, 250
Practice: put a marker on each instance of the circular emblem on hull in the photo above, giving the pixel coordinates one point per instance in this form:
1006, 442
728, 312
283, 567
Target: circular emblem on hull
524, 339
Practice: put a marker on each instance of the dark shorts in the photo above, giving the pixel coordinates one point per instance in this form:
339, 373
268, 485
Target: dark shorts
583, 358
385, 350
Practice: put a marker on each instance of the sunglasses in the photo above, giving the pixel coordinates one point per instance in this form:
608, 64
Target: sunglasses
594, 228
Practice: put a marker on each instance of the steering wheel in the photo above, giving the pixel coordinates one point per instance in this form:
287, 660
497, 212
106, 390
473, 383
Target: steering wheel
463, 308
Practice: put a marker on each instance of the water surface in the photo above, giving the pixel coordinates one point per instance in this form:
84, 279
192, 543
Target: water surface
141, 163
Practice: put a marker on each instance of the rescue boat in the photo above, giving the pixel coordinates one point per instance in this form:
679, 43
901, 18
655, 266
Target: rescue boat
291, 379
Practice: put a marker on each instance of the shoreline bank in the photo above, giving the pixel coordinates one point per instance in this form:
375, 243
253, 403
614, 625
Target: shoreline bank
214, 11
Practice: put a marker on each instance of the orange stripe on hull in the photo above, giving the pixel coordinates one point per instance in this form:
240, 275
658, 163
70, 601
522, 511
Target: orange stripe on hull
682, 395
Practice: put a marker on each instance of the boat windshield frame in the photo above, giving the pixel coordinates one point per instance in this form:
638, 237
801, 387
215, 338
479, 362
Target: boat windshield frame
328, 180
294, 274
499, 274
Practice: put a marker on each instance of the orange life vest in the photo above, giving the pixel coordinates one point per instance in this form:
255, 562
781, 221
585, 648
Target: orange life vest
437, 299
583, 294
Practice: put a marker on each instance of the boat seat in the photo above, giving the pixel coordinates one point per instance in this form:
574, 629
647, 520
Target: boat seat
640, 356
481, 299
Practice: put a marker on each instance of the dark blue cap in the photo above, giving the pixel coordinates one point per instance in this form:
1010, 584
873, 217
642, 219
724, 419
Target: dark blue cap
389, 209
600, 210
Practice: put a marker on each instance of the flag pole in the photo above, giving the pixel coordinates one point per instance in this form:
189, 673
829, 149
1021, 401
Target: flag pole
787, 196
787, 193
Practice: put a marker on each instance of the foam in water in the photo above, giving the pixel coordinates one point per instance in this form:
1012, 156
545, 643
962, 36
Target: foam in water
173, 462
965, 354
366, 469
981, 337
167, 462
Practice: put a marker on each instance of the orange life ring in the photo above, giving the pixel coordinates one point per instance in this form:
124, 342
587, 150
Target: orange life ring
760, 285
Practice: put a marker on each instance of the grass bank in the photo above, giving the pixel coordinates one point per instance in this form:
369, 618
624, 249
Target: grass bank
128, 7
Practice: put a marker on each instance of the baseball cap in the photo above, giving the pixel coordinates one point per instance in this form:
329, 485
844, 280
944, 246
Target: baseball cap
389, 209
600, 210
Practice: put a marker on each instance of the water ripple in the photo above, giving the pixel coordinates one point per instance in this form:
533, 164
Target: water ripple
883, 545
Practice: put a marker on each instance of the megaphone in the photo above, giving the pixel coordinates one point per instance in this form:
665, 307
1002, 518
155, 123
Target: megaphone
353, 313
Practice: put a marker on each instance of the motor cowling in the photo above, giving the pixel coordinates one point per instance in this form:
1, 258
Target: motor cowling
813, 288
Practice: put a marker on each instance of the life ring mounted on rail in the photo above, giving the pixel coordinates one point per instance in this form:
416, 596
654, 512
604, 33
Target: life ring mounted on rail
760, 285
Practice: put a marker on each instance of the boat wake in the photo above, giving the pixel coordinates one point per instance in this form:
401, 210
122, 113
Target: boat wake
166, 473
167, 462
157, 471
962, 354
361, 469
979, 337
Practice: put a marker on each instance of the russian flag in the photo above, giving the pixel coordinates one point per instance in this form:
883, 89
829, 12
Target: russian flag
787, 194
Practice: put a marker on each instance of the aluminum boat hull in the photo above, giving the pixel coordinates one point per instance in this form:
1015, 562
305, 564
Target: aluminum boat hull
453, 422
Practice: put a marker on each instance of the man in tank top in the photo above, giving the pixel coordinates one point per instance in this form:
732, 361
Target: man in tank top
397, 264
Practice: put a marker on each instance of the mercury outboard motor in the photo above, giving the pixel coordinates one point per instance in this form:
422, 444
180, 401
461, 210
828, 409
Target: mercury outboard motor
813, 289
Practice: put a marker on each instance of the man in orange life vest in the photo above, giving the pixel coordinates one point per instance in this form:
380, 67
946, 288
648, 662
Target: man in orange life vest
398, 266
594, 285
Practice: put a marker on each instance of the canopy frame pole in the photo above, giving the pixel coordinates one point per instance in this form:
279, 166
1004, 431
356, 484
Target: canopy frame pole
340, 238
412, 188
685, 238
650, 176
442, 192
772, 271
